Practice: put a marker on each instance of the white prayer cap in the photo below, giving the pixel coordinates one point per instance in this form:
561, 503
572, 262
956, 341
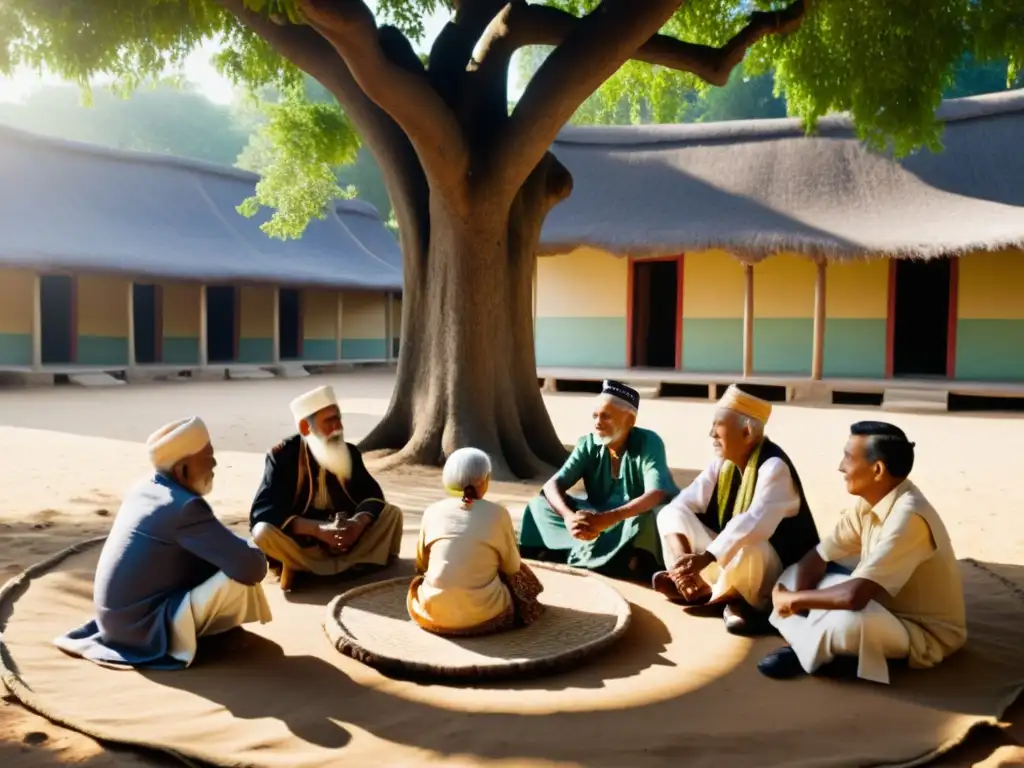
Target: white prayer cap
306, 405
176, 441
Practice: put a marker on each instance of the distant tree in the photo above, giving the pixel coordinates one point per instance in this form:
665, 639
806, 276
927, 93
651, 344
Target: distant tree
165, 118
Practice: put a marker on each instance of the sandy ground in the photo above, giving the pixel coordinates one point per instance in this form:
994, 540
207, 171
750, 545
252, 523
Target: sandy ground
69, 453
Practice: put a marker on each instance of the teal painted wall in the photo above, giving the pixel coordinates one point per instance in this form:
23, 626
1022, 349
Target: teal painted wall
15, 349
102, 350
319, 349
363, 349
581, 341
713, 345
783, 345
854, 348
255, 351
990, 350
181, 350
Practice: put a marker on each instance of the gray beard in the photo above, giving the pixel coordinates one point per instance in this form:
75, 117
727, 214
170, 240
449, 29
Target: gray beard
332, 454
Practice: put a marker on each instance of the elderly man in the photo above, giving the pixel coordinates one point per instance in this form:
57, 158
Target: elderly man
626, 477
904, 600
318, 510
729, 535
169, 571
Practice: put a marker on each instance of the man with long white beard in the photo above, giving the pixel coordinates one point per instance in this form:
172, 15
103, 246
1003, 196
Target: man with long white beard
627, 479
318, 510
170, 572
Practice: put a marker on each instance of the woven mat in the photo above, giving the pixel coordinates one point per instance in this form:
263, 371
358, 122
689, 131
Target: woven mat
675, 689
583, 615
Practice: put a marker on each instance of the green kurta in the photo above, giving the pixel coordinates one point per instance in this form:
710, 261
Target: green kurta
643, 468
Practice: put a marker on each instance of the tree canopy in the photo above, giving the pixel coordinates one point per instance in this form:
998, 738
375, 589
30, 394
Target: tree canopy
887, 62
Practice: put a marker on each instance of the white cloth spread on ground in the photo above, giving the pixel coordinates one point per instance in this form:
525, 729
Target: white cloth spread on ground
214, 607
746, 563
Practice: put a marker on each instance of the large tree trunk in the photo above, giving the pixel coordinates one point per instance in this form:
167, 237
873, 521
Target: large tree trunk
467, 372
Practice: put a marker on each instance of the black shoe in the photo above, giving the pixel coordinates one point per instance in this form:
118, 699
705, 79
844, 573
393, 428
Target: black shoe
782, 664
840, 668
746, 621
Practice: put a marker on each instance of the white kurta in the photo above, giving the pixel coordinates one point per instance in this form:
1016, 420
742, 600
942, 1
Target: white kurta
746, 563
217, 605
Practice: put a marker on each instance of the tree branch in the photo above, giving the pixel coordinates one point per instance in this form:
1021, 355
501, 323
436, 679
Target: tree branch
311, 53
407, 96
591, 52
544, 25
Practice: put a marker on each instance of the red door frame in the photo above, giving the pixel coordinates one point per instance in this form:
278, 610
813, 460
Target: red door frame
633, 261
890, 320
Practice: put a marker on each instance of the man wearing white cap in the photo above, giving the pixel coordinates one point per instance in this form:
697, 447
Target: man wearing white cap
626, 476
318, 509
170, 571
728, 536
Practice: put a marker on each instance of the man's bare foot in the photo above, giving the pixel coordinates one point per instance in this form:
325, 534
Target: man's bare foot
662, 583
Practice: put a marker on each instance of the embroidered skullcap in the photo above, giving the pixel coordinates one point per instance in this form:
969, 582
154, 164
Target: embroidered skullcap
619, 394
313, 401
735, 399
176, 441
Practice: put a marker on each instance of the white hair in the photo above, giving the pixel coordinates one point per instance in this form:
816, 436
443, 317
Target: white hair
466, 467
756, 426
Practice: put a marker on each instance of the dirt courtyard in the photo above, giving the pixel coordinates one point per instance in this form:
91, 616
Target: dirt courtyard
69, 454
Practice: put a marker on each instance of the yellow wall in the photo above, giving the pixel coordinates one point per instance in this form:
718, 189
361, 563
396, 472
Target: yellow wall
181, 310
102, 306
319, 314
712, 285
584, 283
363, 315
991, 285
784, 286
17, 288
857, 289
256, 312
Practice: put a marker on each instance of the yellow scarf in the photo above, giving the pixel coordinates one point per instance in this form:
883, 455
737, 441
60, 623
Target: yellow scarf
747, 483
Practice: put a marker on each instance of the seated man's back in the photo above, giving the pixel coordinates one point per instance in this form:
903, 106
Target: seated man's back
147, 567
170, 571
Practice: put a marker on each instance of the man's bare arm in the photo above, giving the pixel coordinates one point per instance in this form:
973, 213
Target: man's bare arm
637, 506
851, 595
556, 498
810, 571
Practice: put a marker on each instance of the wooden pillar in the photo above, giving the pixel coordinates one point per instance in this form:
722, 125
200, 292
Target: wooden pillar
204, 353
37, 322
389, 327
337, 328
131, 324
277, 325
818, 350
748, 320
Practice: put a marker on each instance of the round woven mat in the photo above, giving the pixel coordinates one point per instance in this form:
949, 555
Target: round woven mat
583, 614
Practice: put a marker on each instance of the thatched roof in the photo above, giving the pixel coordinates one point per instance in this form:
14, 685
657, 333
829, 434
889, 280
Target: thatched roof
756, 187
71, 206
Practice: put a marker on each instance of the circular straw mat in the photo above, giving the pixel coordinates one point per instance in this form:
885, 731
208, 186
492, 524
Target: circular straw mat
582, 615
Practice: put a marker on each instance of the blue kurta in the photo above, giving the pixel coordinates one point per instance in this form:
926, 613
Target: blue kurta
165, 541
643, 467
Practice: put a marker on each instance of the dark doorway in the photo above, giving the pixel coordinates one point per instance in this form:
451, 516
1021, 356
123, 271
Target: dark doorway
921, 317
57, 304
655, 313
146, 311
289, 323
221, 323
